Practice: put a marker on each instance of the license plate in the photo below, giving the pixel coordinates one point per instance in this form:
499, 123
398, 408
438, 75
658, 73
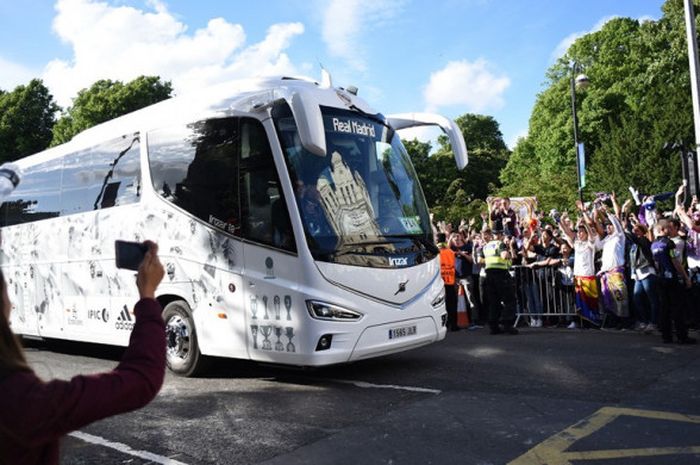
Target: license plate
403, 331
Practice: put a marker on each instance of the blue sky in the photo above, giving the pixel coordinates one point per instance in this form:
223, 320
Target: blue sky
445, 56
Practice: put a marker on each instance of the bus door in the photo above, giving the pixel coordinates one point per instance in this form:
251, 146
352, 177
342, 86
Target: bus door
271, 263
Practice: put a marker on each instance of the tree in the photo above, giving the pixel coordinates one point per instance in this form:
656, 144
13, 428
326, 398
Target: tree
433, 171
106, 100
458, 205
480, 132
638, 100
488, 154
453, 194
26, 119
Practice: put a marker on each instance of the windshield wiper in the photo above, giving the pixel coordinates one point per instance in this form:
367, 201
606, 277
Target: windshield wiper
360, 248
380, 245
418, 239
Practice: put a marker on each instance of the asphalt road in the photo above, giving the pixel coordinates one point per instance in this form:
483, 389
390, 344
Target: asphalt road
546, 396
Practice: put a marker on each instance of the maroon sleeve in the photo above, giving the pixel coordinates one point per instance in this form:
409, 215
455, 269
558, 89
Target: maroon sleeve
46, 411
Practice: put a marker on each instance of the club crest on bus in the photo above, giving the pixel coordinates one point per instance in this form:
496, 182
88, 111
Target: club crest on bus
402, 287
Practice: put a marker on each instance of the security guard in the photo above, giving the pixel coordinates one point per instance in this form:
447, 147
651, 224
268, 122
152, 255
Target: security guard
449, 276
499, 286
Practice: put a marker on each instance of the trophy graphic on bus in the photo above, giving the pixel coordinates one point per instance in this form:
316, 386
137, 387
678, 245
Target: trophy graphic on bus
264, 299
279, 347
254, 331
254, 306
289, 332
276, 306
266, 330
288, 306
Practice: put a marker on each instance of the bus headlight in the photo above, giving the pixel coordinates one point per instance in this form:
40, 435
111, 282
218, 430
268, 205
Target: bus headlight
439, 300
325, 311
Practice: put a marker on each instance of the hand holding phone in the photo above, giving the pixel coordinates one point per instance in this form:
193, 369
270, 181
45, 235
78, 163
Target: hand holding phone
129, 255
150, 273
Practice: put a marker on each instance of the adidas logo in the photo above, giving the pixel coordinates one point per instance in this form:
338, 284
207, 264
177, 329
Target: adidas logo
124, 320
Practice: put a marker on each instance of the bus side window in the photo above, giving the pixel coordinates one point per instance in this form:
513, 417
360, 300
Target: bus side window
103, 176
37, 197
265, 215
194, 166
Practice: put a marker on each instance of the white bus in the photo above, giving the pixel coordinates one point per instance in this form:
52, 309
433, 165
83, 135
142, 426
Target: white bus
289, 217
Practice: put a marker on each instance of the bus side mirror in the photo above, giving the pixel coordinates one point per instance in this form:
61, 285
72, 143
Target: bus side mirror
10, 176
307, 115
449, 127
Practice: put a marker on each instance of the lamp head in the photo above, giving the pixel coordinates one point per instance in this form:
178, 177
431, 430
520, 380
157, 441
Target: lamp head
582, 81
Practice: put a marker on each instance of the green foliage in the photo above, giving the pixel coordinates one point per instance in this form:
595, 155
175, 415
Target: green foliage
638, 100
26, 119
451, 194
461, 209
482, 130
106, 100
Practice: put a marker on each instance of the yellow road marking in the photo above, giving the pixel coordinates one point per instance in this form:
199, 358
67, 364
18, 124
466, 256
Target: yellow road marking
622, 453
552, 451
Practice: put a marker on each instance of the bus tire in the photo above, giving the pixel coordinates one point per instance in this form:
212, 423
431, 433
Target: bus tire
182, 351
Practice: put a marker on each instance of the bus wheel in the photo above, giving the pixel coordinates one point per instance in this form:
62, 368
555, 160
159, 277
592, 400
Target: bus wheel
182, 352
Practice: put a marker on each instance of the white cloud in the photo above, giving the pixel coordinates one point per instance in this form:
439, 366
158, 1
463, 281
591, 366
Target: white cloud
345, 21
428, 134
122, 42
13, 74
422, 133
468, 84
565, 43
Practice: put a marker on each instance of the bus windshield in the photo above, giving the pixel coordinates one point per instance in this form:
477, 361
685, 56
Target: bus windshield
360, 204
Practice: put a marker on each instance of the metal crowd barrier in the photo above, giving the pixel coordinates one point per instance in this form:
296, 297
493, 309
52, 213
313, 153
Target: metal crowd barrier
541, 292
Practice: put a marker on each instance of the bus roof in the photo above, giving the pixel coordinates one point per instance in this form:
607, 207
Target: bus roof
241, 96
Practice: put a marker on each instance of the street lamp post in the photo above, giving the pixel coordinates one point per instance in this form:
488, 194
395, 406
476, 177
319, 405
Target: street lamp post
580, 81
691, 158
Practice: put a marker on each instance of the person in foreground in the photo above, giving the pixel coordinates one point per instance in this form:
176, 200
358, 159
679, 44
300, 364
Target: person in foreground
35, 414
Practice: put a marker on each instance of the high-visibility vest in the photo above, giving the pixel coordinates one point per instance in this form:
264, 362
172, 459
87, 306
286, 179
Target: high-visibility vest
492, 256
447, 266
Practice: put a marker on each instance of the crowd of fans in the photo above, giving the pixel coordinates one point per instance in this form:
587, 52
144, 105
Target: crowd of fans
624, 267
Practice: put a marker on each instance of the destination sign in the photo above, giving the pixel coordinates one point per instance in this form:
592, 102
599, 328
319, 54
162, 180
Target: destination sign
350, 126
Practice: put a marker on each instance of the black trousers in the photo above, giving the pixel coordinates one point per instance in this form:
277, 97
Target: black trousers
451, 306
483, 300
499, 290
692, 307
473, 289
672, 294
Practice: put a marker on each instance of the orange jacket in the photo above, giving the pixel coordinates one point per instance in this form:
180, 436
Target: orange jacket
447, 266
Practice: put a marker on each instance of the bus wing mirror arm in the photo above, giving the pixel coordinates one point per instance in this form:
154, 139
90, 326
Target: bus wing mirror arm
307, 115
454, 134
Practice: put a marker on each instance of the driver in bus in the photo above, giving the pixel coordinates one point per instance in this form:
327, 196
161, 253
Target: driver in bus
310, 205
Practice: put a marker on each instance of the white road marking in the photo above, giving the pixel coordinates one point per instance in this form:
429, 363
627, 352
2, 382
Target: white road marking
125, 449
363, 384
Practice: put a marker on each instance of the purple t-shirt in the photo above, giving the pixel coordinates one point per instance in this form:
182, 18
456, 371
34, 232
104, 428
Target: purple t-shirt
664, 251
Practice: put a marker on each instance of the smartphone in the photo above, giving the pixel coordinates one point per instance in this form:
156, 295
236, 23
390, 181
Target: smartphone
129, 255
